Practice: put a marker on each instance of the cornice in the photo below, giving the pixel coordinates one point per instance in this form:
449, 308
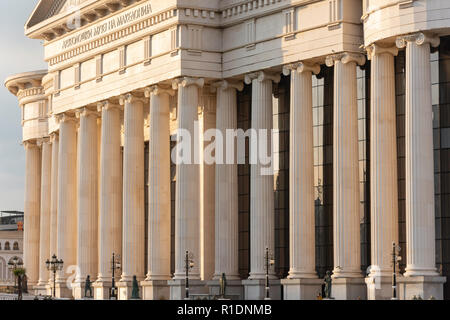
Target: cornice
89, 12
246, 9
24, 81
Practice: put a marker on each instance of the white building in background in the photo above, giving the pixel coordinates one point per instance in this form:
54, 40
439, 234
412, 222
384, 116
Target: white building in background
358, 92
11, 245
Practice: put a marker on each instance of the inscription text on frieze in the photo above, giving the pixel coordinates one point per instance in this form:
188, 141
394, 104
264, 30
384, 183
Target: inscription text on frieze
108, 25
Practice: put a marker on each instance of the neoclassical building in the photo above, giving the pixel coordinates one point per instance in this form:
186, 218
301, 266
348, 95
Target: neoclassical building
356, 91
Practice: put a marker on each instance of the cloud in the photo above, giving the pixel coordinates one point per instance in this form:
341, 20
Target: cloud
18, 54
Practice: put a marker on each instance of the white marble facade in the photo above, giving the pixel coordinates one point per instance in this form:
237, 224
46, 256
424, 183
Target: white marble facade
124, 72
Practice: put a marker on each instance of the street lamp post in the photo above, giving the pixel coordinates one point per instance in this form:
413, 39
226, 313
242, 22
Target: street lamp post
54, 265
115, 265
269, 263
13, 265
189, 264
395, 259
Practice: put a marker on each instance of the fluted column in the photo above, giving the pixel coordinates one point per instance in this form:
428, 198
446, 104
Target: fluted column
87, 196
420, 211
32, 211
383, 162
346, 217
302, 213
159, 185
54, 137
207, 122
133, 247
67, 196
226, 199
110, 228
262, 229
44, 242
187, 198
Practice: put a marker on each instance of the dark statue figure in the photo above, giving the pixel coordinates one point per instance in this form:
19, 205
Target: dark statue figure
88, 287
25, 284
135, 291
19, 287
223, 285
327, 281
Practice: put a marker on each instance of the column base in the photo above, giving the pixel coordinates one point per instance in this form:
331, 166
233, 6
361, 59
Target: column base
155, 290
62, 291
256, 289
301, 289
178, 289
425, 287
102, 290
379, 287
126, 290
348, 289
40, 289
49, 290
233, 291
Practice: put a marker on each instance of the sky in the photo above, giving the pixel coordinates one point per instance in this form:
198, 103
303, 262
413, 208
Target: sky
17, 54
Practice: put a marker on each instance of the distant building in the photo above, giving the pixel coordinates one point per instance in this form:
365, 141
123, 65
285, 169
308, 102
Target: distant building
11, 243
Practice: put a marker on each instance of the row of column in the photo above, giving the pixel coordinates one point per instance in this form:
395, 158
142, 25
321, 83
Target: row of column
82, 183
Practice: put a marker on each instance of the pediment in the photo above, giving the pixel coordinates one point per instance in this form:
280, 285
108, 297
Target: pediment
46, 9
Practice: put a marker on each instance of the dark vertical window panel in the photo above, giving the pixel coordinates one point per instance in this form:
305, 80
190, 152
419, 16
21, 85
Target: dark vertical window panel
363, 82
400, 81
323, 167
146, 189
173, 185
440, 61
281, 116
244, 123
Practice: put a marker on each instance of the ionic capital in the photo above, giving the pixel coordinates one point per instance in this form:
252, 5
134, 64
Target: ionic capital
419, 38
301, 67
345, 57
85, 112
187, 82
64, 117
262, 76
42, 141
156, 90
376, 49
107, 105
30, 144
226, 85
54, 136
129, 98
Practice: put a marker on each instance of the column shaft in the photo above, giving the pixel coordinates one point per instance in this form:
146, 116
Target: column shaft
226, 199
420, 211
133, 191
32, 212
302, 214
262, 232
54, 198
346, 225
67, 194
44, 243
187, 210
87, 253
111, 189
159, 187
383, 164
207, 121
